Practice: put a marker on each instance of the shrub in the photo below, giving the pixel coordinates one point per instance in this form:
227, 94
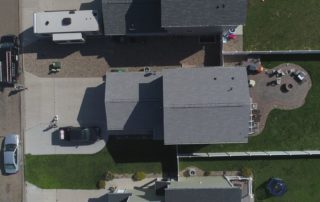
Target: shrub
246, 172
101, 184
108, 176
206, 173
138, 176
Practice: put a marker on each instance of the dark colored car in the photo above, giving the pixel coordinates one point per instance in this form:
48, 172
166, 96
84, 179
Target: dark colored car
80, 135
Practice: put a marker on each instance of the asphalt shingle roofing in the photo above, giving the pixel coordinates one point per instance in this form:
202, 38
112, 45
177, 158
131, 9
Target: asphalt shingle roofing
206, 105
188, 106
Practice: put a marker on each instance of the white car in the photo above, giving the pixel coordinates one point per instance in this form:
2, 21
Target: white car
11, 154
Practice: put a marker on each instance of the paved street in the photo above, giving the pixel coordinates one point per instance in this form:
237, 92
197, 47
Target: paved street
11, 185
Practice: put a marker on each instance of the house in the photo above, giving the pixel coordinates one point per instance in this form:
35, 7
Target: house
192, 189
205, 106
171, 17
181, 106
134, 104
204, 189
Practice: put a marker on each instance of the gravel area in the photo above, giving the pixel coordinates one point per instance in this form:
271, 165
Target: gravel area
99, 55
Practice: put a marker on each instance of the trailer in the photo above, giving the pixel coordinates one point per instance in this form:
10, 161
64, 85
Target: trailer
66, 26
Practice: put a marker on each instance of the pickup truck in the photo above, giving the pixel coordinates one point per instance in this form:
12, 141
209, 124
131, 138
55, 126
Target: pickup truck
9, 59
80, 135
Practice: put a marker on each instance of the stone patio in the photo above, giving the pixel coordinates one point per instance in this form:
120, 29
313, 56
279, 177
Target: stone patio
269, 95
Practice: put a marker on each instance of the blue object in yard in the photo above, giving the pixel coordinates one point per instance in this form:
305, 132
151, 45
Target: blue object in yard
276, 187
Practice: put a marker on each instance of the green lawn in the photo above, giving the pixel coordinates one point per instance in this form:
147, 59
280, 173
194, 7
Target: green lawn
282, 25
301, 176
285, 130
83, 171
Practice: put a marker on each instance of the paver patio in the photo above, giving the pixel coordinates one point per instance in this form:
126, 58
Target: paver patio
269, 96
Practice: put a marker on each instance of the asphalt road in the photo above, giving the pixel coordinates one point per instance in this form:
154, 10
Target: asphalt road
10, 185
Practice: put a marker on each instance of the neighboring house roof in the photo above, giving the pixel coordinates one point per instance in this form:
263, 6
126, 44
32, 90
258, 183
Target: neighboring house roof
206, 105
118, 197
133, 102
204, 189
203, 195
150, 17
121, 17
203, 13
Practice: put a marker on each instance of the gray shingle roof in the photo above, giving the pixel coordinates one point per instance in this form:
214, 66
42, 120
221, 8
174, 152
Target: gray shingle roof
207, 13
118, 197
203, 195
206, 105
121, 17
134, 103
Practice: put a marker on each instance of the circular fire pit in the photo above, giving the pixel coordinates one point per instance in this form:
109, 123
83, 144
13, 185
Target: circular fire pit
286, 87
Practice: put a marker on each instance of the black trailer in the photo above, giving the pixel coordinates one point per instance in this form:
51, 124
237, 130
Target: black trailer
9, 60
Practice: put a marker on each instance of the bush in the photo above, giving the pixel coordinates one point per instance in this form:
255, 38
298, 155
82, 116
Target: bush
206, 173
138, 176
246, 172
108, 176
101, 184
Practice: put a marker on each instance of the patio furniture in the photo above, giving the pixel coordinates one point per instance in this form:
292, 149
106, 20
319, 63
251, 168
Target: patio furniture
252, 83
301, 76
278, 81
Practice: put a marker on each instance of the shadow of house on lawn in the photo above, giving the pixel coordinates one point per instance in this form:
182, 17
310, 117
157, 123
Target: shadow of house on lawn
261, 192
129, 151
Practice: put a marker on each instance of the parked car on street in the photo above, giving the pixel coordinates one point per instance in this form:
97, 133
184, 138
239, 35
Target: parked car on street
80, 135
9, 60
11, 154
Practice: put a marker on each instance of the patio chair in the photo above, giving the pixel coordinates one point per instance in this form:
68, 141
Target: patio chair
278, 81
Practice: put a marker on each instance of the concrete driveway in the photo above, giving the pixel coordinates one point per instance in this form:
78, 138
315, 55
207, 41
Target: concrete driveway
77, 102
35, 194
